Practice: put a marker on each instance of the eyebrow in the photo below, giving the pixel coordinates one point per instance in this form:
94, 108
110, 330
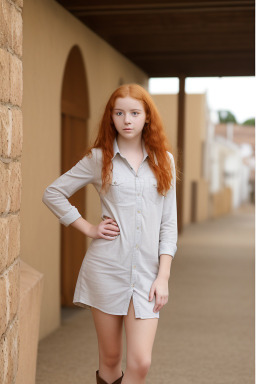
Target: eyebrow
134, 109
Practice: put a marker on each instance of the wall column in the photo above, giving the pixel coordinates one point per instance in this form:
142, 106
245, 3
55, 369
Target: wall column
11, 92
180, 149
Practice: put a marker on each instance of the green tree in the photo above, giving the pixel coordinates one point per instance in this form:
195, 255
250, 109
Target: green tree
249, 121
226, 117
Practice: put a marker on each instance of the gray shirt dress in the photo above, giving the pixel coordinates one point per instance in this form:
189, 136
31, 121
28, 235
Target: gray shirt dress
113, 271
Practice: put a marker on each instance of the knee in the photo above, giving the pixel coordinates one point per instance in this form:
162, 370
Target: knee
140, 366
111, 359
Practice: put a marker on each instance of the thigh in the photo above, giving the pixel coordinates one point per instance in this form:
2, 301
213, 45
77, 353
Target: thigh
140, 336
109, 329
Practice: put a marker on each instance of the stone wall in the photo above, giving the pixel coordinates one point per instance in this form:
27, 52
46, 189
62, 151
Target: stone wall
11, 93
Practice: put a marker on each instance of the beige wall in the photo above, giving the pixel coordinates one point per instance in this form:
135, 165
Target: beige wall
195, 130
167, 106
49, 34
195, 134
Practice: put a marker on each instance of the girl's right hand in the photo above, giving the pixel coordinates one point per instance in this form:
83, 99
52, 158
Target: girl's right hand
106, 229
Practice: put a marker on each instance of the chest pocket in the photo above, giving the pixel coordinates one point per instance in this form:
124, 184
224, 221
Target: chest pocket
153, 194
121, 191
113, 193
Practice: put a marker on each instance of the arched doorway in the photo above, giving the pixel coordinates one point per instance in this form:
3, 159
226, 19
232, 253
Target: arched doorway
74, 115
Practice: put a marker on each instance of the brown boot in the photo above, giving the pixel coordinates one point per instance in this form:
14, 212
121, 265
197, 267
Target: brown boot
118, 381
99, 379
102, 381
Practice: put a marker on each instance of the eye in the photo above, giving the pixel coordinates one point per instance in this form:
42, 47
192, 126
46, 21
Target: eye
136, 113
118, 113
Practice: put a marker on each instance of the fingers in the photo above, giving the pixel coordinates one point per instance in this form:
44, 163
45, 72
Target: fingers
160, 302
111, 224
109, 232
111, 229
109, 237
109, 221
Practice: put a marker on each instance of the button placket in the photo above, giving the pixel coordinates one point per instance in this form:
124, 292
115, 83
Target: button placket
129, 165
138, 208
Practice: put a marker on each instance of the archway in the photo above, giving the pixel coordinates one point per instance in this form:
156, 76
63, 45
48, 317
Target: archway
74, 116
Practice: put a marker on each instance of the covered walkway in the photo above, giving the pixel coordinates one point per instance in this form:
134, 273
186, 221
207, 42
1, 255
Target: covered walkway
206, 330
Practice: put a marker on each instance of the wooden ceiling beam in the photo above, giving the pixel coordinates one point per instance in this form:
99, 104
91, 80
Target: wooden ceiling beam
211, 66
172, 38
207, 43
82, 8
168, 24
193, 55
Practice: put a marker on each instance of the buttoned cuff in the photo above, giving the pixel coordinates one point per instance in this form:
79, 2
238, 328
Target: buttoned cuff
166, 249
69, 217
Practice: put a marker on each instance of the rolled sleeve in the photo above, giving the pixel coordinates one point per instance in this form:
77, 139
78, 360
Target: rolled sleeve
168, 228
70, 216
56, 195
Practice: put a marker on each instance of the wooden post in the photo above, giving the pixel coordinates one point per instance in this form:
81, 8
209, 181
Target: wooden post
181, 152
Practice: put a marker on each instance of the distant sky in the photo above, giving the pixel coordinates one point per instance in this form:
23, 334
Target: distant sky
236, 94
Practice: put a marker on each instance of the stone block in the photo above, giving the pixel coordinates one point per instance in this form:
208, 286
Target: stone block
14, 289
5, 199
12, 335
5, 22
16, 81
4, 243
15, 185
3, 306
16, 30
4, 75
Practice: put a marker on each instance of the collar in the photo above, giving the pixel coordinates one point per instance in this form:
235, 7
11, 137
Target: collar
116, 149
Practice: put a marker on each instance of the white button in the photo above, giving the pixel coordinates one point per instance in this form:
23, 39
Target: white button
134, 266
138, 211
138, 227
138, 194
132, 285
114, 182
137, 246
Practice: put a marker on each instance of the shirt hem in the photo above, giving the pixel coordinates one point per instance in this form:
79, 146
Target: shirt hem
87, 305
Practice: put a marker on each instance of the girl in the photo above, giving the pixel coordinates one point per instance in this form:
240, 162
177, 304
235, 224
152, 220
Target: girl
124, 274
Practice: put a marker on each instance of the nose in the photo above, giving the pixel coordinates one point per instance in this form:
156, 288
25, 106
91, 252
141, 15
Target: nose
127, 118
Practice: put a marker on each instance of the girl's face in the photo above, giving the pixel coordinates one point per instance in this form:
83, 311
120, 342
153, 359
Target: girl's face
128, 116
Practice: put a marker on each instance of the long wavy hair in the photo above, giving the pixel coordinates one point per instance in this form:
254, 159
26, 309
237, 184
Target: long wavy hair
153, 134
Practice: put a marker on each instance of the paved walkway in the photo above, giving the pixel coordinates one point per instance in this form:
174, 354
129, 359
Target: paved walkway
206, 331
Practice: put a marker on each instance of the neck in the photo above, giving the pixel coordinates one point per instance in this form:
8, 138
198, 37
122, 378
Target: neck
132, 145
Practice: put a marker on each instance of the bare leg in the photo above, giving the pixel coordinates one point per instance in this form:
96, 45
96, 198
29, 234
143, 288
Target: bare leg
110, 343
140, 335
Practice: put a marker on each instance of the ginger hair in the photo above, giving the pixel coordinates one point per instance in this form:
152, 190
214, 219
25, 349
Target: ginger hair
153, 134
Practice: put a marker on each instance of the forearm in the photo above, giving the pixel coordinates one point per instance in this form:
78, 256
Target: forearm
165, 266
82, 225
